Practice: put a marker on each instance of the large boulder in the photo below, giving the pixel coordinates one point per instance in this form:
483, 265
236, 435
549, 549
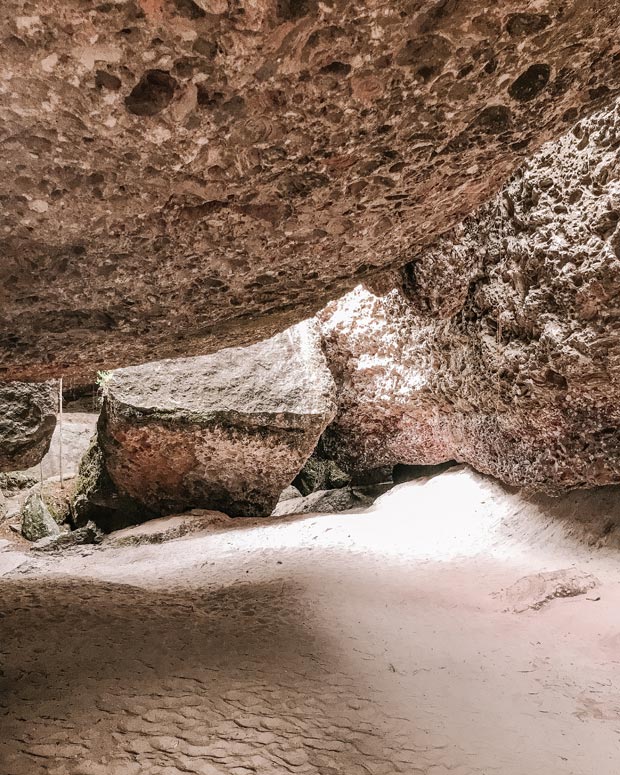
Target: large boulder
27, 422
183, 175
324, 502
506, 353
227, 431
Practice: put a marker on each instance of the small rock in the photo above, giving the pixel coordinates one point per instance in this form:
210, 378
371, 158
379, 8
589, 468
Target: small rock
324, 502
158, 531
89, 534
37, 522
289, 493
536, 590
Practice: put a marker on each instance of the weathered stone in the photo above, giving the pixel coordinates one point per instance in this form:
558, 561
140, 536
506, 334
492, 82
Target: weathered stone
320, 473
324, 502
288, 493
3, 509
180, 176
78, 429
507, 354
97, 499
27, 422
87, 534
158, 531
12, 482
37, 522
226, 432
535, 591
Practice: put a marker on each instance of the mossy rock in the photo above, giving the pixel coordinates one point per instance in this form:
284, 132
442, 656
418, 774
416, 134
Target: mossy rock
320, 474
37, 522
14, 481
97, 500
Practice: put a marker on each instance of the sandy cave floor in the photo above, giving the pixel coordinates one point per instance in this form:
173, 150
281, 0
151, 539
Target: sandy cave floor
378, 642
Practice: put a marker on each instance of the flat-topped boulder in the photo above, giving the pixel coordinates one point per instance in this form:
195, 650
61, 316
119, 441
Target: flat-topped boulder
227, 431
27, 422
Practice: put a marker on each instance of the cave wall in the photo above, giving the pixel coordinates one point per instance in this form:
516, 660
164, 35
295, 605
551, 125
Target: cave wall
181, 175
502, 346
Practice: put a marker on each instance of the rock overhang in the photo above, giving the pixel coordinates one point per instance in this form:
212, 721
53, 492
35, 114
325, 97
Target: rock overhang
182, 176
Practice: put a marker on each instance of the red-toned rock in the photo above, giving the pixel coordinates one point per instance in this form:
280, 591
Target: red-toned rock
182, 175
227, 431
506, 352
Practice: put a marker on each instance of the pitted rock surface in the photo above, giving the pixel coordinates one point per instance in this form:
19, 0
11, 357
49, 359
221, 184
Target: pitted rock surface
507, 357
227, 431
181, 175
27, 422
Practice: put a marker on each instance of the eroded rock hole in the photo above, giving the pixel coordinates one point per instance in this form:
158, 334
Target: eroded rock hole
337, 68
524, 24
530, 83
295, 9
189, 9
107, 80
494, 119
152, 94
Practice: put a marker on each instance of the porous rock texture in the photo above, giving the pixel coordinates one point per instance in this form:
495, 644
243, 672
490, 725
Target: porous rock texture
27, 422
227, 431
181, 175
506, 353
320, 473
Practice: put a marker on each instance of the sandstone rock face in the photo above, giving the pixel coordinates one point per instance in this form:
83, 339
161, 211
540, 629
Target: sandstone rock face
78, 429
507, 353
180, 175
27, 422
227, 431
